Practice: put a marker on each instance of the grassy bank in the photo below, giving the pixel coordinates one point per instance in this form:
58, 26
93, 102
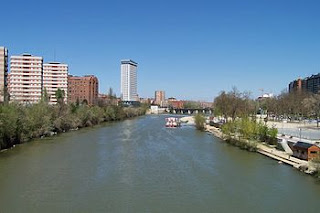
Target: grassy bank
20, 123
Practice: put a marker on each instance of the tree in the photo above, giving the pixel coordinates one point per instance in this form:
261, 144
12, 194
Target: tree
60, 94
60, 100
234, 104
199, 120
84, 102
111, 97
312, 103
191, 105
45, 96
111, 94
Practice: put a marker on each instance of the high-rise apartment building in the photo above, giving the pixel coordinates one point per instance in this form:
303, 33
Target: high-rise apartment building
25, 81
129, 80
82, 89
309, 84
160, 98
55, 75
3, 72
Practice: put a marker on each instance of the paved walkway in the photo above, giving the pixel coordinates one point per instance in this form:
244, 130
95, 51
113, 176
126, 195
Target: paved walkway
280, 155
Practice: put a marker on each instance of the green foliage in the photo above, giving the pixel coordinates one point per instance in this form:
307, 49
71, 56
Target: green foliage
19, 123
316, 164
248, 129
191, 105
45, 96
60, 94
272, 135
199, 120
243, 144
229, 129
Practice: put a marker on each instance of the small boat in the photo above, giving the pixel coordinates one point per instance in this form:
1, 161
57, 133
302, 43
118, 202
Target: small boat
173, 122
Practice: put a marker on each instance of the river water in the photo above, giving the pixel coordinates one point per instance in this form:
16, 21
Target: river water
140, 166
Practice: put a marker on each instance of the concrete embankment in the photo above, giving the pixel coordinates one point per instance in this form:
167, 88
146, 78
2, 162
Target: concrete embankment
268, 151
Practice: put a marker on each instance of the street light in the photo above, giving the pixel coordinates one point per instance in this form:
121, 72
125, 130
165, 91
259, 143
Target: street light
300, 133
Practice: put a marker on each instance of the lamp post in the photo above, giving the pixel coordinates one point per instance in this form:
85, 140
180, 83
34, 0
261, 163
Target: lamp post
300, 133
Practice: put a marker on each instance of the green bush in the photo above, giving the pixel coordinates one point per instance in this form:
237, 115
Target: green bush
272, 135
199, 120
247, 131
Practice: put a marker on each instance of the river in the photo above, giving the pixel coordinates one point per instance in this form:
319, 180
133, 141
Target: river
140, 166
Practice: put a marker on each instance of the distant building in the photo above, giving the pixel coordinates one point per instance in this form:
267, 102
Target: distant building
309, 84
154, 109
297, 85
3, 72
55, 75
265, 96
83, 89
146, 101
175, 104
204, 104
160, 98
25, 79
106, 100
129, 81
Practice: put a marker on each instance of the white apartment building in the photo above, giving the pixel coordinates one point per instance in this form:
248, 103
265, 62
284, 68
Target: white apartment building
129, 80
25, 78
3, 72
55, 75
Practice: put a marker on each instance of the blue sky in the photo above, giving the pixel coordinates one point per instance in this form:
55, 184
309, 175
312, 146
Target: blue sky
190, 49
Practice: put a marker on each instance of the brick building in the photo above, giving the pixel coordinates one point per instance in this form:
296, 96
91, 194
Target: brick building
175, 104
305, 151
85, 88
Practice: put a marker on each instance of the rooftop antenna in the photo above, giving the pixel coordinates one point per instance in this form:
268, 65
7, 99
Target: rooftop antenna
54, 55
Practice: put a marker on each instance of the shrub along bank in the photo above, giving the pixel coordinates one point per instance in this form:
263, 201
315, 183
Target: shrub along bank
245, 133
20, 123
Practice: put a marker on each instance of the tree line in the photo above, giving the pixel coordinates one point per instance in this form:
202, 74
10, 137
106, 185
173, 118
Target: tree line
20, 123
296, 105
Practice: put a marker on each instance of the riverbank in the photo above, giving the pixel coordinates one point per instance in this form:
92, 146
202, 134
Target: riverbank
271, 152
20, 123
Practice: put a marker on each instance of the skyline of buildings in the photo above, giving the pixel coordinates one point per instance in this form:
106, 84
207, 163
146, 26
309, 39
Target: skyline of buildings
129, 80
3, 72
29, 76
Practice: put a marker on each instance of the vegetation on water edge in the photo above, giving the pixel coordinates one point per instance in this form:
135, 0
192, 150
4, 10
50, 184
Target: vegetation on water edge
200, 120
20, 123
316, 164
247, 132
251, 146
